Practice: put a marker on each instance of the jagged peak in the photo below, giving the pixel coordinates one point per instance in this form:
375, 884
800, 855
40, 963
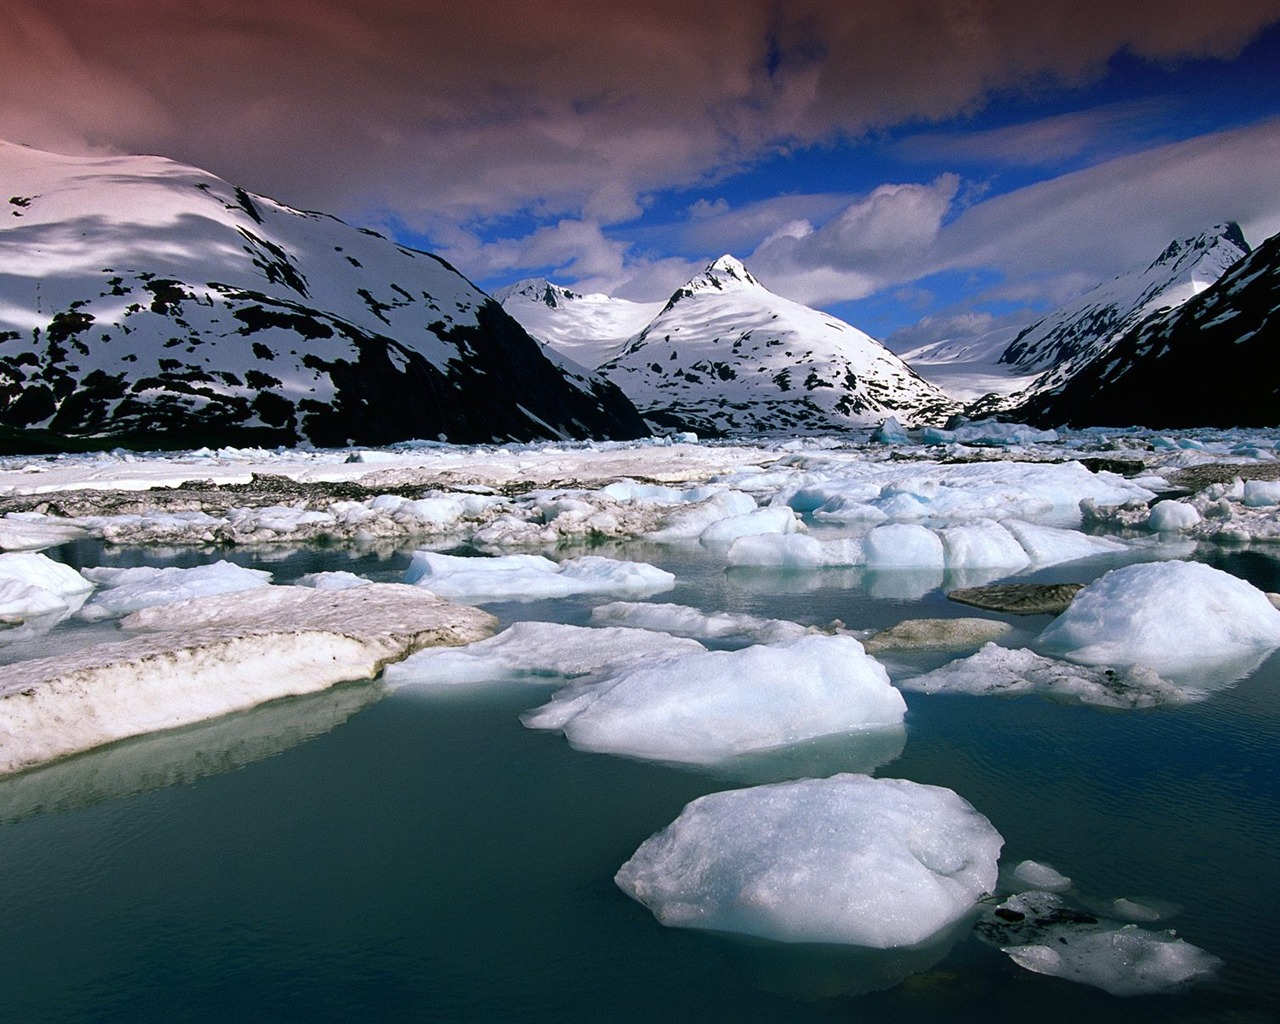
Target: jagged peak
725, 274
1227, 233
537, 289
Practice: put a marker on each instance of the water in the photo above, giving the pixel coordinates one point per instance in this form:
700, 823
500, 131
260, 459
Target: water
424, 857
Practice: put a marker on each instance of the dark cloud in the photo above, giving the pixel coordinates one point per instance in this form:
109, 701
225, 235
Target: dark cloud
432, 109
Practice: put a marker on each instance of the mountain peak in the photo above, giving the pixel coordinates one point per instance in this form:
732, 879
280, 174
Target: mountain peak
722, 272
1226, 236
537, 289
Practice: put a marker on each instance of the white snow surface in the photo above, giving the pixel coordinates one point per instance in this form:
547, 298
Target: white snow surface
32, 569
727, 356
539, 652
709, 707
212, 656
588, 328
1172, 617
879, 863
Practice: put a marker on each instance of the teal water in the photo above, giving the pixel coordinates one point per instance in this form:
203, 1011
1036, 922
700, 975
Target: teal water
423, 857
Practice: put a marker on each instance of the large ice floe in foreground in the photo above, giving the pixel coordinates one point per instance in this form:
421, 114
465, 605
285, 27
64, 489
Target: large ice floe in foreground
1175, 618
880, 863
707, 707
532, 577
215, 655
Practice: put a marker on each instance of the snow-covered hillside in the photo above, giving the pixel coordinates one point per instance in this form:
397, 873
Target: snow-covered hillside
968, 368
727, 356
589, 329
1210, 361
150, 303
1074, 333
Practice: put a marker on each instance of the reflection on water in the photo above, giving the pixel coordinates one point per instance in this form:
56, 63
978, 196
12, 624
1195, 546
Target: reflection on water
180, 756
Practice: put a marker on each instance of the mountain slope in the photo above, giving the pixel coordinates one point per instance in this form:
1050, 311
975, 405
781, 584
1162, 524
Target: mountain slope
1209, 362
727, 356
143, 301
590, 329
1074, 331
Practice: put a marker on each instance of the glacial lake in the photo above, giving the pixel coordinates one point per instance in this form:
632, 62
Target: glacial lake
421, 856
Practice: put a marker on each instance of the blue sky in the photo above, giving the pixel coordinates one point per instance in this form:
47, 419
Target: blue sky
918, 167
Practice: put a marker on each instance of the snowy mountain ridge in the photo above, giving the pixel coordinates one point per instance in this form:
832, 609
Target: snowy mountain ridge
588, 328
143, 298
1074, 333
727, 356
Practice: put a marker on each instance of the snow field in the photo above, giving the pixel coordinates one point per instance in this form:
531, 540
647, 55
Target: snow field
880, 863
126, 590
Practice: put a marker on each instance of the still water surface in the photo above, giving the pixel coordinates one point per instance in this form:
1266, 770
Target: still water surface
423, 857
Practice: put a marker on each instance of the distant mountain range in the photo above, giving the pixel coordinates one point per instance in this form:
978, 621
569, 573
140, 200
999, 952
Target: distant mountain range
726, 356
1208, 361
151, 304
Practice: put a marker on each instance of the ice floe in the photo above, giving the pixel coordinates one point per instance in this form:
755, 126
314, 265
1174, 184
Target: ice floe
126, 590
1001, 671
707, 707
881, 863
532, 577
680, 620
1171, 617
1041, 933
539, 652
215, 655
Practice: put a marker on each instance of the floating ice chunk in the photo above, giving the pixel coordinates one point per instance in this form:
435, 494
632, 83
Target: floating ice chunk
1041, 876
776, 520
881, 863
1168, 516
1041, 934
688, 522
19, 601
539, 652
36, 570
982, 545
332, 580
996, 670
1261, 493
795, 551
1052, 545
127, 590
532, 577
29, 532
216, 655
707, 707
1172, 617
890, 432
680, 620
903, 546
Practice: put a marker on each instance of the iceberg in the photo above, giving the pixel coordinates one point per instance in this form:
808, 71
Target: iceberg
1172, 617
710, 706
879, 863
680, 620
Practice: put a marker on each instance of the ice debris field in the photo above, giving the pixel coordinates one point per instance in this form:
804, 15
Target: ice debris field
100, 653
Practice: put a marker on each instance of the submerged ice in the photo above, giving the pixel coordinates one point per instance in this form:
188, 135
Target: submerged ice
881, 863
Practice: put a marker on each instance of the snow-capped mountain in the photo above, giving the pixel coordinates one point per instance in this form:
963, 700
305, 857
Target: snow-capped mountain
149, 303
590, 329
1074, 332
727, 356
968, 368
1208, 362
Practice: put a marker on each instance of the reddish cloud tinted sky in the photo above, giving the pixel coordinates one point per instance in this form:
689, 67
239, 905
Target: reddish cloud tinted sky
874, 150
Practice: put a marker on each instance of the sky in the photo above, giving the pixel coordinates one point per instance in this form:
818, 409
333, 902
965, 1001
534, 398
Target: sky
921, 168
